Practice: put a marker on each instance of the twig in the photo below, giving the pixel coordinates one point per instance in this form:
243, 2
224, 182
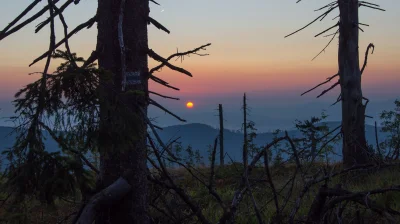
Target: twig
334, 35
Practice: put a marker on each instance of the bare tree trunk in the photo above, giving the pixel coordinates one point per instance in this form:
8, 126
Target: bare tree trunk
122, 45
353, 111
221, 135
245, 153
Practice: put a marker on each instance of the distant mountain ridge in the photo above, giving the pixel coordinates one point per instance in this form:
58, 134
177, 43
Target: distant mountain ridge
200, 136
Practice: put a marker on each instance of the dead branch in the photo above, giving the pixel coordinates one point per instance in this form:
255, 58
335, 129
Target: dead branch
152, 102
189, 169
26, 22
271, 183
327, 80
315, 212
334, 6
329, 89
359, 197
371, 45
372, 7
64, 146
23, 13
337, 24
180, 55
87, 24
154, 2
157, 57
71, 59
334, 35
157, 24
163, 96
326, 6
338, 99
239, 193
256, 209
92, 58
369, 3
195, 208
47, 21
107, 197
162, 82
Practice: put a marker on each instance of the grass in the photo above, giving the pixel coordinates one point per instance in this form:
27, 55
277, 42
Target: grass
228, 178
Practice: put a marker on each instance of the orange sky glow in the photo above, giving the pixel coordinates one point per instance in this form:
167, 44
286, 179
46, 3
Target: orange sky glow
247, 56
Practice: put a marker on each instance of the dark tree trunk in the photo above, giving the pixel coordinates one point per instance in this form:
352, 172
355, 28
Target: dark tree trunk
245, 152
221, 135
122, 141
353, 111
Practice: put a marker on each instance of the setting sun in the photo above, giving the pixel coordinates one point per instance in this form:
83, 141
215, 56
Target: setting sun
189, 104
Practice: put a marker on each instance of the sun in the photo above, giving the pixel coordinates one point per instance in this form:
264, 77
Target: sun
189, 104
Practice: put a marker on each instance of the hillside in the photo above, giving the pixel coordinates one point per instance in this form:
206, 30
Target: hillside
199, 136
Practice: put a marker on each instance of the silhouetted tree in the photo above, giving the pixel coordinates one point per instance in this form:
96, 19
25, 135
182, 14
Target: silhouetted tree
391, 125
355, 148
221, 135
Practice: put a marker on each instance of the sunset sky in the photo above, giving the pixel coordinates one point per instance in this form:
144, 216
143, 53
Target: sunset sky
248, 54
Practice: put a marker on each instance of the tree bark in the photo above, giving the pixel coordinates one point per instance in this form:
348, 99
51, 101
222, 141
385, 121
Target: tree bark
353, 110
122, 45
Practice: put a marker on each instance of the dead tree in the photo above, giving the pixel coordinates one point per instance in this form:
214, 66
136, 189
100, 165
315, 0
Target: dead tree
221, 135
121, 99
355, 149
245, 149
